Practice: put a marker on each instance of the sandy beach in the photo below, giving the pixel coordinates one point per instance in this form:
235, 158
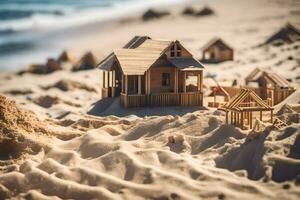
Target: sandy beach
57, 141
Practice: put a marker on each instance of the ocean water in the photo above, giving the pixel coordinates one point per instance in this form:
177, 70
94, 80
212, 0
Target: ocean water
26, 24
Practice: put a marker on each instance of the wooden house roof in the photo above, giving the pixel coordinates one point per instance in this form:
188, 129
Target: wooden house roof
135, 61
186, 64
217, 41
269, 76
136, 41
288, 33
246, 96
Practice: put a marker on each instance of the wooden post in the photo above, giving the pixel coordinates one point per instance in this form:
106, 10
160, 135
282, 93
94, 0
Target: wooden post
260, 115
242, 120
103, 79
226, 117
231, 117
184, 79
126, 84
176, 81
114, 78
139, 85
271, 116
234, 118
238, 119
149, 79
108, 79
250, 120
123, 84
199, 81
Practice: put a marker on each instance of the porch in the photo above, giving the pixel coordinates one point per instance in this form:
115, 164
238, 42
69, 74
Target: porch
162, 99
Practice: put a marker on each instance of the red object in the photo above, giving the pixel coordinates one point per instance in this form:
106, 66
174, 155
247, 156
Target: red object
217, 89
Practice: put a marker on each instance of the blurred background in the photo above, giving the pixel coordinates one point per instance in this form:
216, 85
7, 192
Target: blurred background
32, 30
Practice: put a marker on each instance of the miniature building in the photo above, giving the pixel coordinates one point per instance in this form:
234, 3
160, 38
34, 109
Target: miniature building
269, 85
52, 65
65, 57
88, 61
244, 106
147, 72
288, 34
217, 51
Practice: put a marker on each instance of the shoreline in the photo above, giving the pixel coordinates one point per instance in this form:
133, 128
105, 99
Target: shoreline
62, 38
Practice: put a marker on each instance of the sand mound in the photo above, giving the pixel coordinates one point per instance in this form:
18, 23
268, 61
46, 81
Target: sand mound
153, 14
47, 101
206, 11
119, 159
70, 85
16, 123
267, 156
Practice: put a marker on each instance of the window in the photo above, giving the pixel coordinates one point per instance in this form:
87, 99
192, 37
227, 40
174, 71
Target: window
166, 79
175, 51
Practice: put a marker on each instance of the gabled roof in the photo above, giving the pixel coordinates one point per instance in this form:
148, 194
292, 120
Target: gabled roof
135, 42
243, 96
216, 41
288, 33
138, 60
270, 76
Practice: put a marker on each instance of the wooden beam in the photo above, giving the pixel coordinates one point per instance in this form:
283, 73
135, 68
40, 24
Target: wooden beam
123, 83
250, 120
260, 115
176, 80
126, 84
271, 116
199, 82
184, 80
103, 79
108, 79
139, 85
242, 120
226, 117
114, 78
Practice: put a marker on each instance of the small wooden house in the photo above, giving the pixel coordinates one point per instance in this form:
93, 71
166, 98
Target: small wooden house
86, 62
244, 107
288, 34
65, 56
269, 85
217, 51
148, 72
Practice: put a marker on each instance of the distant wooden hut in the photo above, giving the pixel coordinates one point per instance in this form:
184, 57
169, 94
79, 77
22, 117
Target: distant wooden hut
287, 34
65, 56
245, 106
269, 84
217, 51
52, 65
147, 72
88, 61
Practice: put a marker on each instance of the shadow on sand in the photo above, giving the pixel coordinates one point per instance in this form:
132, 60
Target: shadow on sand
111, 106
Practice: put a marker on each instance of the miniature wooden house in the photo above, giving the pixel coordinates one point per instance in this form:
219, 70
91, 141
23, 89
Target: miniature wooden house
86, 62
245, 106
147, 72
217, 51
269, 85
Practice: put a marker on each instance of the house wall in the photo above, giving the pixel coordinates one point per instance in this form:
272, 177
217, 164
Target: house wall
219, 55
156, 79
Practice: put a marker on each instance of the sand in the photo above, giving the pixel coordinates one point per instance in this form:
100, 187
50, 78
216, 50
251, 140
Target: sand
61, 142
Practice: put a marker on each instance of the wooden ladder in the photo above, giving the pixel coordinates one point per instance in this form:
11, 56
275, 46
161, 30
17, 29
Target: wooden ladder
279, 124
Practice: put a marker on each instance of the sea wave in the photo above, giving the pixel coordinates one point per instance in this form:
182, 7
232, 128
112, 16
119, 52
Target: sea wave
24, 17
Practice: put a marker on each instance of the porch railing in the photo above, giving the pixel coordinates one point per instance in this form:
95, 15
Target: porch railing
163, 99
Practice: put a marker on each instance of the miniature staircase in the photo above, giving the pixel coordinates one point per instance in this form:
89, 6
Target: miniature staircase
279, 124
